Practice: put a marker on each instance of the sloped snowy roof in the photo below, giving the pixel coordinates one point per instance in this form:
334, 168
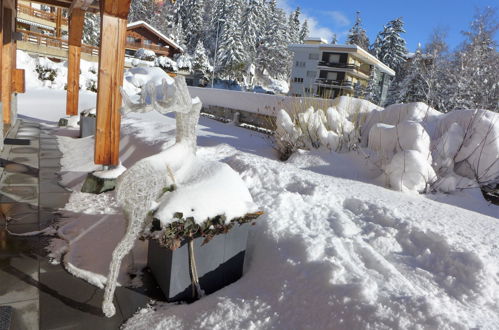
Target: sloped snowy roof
159, 34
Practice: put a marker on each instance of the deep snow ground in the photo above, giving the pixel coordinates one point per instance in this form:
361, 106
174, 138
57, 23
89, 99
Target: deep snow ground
331, 252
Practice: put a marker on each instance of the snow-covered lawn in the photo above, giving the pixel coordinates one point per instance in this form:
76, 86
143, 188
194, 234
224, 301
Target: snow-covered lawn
334, 249
331, 251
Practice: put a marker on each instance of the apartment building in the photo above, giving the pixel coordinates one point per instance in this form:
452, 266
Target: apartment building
328, 71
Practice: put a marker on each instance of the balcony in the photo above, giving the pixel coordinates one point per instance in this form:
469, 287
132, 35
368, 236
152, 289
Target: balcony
40, 14
164, 50
339, 65
339, 83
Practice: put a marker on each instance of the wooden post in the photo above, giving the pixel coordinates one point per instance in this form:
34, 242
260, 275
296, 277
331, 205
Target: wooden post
1, 52
7, 61
111, 72
74, 56
58, 23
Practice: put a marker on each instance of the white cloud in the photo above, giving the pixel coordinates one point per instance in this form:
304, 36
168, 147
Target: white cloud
339, 18
316, 30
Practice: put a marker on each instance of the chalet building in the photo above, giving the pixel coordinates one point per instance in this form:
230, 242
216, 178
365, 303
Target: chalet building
44, 31
328, 71
47, 21
142, 35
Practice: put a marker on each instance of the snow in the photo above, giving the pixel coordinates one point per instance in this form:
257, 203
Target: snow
332, 250
112, 173
211, 189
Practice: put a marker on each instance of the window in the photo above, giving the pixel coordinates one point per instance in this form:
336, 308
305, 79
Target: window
130, 40
147, 42
334, 58
308, 91
300, 64
311, 74
313, 56
298, 80
332, 76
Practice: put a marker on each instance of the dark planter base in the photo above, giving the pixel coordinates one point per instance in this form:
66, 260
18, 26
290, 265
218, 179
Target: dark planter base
87, 126
96, 185
219, 263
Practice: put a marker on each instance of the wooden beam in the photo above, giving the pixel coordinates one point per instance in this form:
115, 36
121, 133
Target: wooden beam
111, 72
8, 62
18, 81
1, 48
58, 22
116, 8
76, 21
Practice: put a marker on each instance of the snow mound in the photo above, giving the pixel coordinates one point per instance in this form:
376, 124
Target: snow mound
209, 189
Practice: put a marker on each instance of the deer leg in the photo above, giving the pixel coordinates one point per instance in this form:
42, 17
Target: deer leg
121, 250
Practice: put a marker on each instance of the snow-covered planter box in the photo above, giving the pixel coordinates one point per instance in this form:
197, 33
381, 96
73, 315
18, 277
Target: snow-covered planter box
88, 121
218, 251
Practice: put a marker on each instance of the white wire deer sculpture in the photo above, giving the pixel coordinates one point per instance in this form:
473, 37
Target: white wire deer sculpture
139, 188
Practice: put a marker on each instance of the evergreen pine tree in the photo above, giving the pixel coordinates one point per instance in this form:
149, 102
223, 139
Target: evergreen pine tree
304, 31
294, 26
200, 62
232, 57
391, 47
252, 21
413, 87
91, 29
357, 35
194, 15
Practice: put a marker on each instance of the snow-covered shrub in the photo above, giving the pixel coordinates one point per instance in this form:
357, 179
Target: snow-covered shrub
91, 85
46, 73
462, 146
184, 62
166, 64
314, 129
145, 55
467, 145
409, 170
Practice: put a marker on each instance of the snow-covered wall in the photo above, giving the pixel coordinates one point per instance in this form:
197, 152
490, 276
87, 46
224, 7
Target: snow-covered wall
245, 101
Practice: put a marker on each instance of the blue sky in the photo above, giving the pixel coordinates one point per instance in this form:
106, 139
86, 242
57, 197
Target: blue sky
420, 16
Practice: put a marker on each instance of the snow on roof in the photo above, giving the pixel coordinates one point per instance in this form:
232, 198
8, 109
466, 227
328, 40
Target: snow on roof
161, 35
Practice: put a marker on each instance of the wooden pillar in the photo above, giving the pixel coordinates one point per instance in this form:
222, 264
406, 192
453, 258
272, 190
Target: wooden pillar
58, 23
74, 56
111, 71
8, 58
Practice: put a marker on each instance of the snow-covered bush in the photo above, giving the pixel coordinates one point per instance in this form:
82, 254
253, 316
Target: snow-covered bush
336, 129
145, 55
46, 72
91, 85
462, 147
184, 62
166, 63
412, 146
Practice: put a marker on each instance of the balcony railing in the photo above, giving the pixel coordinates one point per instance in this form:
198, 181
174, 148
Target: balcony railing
51, 17
53, 42
338, 65
341, 83
345, 66
155, 48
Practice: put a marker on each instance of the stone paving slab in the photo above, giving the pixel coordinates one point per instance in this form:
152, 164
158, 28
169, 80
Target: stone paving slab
43, 295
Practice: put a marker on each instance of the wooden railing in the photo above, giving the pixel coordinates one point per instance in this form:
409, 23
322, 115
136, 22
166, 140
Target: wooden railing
137, 45
48, 41
51, 17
